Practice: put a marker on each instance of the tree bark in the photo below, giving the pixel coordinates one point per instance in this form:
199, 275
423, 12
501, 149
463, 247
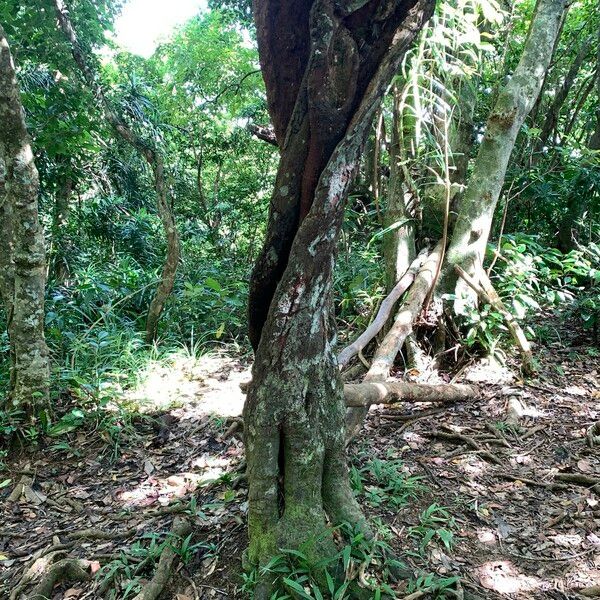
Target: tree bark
31, 363
294, 412
476, 210
311, 106
7, 265
409, 310
147, 148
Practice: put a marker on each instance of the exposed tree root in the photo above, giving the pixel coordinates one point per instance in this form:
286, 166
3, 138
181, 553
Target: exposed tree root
366, 394
590, 592
579, 479
180, 530
593, 435
383, 314
484, 289
469, 441
67, 570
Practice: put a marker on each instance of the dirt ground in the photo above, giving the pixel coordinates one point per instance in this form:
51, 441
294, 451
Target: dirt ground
503, 484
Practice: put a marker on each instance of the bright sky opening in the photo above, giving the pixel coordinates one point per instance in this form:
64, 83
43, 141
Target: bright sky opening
144, 23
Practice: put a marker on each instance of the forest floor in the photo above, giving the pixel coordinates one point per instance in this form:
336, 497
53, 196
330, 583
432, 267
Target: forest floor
494, 507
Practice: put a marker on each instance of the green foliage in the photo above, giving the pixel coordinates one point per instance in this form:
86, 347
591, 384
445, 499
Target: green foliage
384, 482
295, 576
530, 278
435, 524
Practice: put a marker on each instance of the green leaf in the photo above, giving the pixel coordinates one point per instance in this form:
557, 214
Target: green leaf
294, 585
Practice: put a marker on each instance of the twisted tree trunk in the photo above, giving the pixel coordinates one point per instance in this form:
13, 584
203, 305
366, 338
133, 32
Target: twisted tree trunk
23, 268
324, 83
147, 148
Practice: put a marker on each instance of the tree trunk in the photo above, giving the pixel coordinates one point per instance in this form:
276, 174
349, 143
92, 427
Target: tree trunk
147, 148
476, 210
31, 364
60, 218
7, 266
294, 412
399, 247
551, 121
594, 143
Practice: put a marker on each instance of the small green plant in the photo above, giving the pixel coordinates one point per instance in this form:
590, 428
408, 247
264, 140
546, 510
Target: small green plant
384, 482
435, 523
333, 579
433, 584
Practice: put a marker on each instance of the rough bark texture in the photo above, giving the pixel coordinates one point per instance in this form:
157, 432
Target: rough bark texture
294, 412
7, 266
147, 148
313, 94
514, 102
31, 368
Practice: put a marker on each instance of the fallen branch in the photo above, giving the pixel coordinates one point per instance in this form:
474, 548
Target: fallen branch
366, 394
266, 134
590, 592
579, 479
384, 312
152, 590
484, 289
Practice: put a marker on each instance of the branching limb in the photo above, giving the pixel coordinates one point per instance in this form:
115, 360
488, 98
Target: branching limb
383, 314
484, 289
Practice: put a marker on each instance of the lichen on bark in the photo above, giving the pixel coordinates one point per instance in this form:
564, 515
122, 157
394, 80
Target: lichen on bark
294, 413
24, 270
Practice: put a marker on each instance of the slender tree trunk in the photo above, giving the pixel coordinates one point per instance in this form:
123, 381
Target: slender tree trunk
31, 369
294, 413
551, 121
399, 245
60, 217
147, 148
594, 143
7, 266
471, 232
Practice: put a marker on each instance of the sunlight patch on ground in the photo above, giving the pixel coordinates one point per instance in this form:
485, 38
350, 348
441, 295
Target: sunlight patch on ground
503, 576
209, 385
162, 491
